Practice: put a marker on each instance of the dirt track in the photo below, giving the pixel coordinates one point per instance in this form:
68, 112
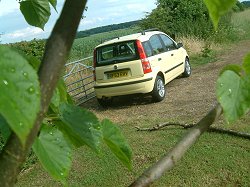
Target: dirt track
187, 99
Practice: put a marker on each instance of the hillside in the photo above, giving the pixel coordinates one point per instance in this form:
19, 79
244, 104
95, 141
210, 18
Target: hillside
106, 28
246, 3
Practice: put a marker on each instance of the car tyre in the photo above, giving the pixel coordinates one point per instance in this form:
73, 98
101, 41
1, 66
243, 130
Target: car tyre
187, 71
105, 102
159, 91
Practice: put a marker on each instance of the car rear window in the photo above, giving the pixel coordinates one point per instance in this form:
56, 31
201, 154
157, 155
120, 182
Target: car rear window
116, 53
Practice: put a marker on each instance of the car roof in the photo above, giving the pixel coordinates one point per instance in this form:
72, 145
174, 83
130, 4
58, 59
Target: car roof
143, 36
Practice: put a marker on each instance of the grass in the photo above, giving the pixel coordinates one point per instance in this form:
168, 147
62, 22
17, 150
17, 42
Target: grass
215, 160
200, 52
241, 21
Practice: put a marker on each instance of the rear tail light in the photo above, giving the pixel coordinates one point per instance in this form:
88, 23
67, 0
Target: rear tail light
144, 60
94, 64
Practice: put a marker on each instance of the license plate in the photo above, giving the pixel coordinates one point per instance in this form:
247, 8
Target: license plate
117, 74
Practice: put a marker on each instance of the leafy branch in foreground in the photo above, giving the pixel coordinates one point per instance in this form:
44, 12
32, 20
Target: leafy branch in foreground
233, 88
24, 105
217, 8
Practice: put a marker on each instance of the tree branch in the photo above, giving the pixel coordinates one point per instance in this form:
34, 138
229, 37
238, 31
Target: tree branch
187, 126
162, 125
168, 161
55, 56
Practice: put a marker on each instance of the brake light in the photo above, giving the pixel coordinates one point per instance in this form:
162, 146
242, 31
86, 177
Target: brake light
94, 64
144, 60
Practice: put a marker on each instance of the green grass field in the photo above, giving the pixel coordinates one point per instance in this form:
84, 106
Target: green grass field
215, 160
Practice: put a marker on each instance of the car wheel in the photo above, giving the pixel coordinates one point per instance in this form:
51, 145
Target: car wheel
105, 102
159, 91
187, 71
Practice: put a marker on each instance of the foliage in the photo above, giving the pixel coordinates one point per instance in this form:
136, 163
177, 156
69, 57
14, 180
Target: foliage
32, 48
54, 152
239, 6
36, 12
18, 80
72, 126
218, 8
234, 98
180, 18
189, 18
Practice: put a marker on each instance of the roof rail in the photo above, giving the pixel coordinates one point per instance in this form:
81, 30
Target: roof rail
110, 38
148, 30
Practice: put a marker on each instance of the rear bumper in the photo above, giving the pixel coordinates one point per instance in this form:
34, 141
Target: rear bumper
125, 88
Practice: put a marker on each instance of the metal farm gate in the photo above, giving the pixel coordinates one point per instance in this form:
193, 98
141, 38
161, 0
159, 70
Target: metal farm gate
79, 80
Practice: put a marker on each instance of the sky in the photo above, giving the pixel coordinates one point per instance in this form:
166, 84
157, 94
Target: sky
13, 27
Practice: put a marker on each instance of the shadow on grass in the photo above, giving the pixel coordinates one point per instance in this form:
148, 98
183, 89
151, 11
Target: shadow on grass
120, 102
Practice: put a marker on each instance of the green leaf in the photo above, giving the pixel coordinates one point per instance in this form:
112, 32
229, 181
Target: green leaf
233, 93
4, 128
60, 96
20, 92
81, 126
246, 64
114, 139
233, 67
36, 12
34, 62
64, 97
53, 3
218, 8
55, 100
54, 152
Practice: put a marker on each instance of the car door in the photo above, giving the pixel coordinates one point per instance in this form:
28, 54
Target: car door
158, 59
174, 63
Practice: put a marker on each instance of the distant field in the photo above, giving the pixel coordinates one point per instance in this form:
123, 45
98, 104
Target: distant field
83, 47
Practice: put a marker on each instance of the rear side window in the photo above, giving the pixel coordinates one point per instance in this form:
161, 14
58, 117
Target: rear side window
156, 44
147, 49
170, 45
116, 53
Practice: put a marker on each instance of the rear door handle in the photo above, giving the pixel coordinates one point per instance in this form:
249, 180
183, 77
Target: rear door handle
159, 59
172, 54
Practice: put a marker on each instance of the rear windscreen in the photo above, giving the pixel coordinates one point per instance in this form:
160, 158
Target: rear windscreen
116, 53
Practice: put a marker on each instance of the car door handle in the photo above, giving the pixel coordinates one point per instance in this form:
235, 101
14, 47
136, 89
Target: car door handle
172, 54
159, 59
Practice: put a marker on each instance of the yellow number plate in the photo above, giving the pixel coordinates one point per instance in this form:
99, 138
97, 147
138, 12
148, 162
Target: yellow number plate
117, 74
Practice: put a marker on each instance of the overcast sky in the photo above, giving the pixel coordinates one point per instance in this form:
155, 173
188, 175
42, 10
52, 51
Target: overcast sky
14, 28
